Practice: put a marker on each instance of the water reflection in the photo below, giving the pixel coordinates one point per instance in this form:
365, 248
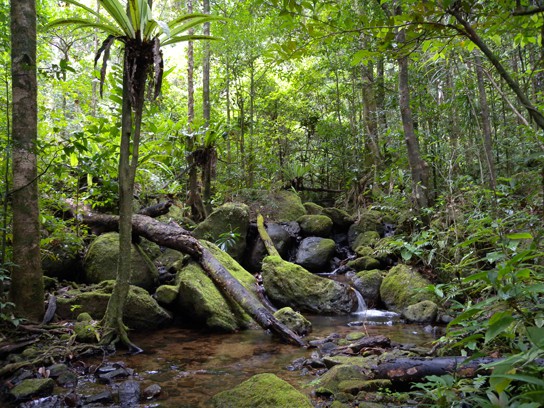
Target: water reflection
192, 366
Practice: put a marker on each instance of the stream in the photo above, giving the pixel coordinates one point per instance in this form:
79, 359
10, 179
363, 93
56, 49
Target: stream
191, 366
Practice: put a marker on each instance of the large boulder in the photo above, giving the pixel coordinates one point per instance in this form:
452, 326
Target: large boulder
313, 208
100, 263
340, 218
281, 238
288, 284
230, 218
262, 391
402, 287
421, 312
369, 220
280, 206
141, 311
315, 225
315, 253
195, 297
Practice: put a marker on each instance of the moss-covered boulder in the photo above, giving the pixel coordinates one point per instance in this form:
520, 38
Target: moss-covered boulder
288, 284
313, 208
369, 220
365, 239
198, 299
262, 391
32, 387
425, 311
315, 253
402, 287
334, 380
315, 225
364, 263
141, 311
100, 263
86, 329
279, 206
229, 218
294, 320
341, 219
368, 283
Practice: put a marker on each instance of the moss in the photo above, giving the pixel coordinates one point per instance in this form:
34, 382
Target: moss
315, 225
32, 387
313, 208
281, 206
166, 295
402, 287
340, 218
141, 310
314, 253
332, 379
366, 238
355, 336
100, 263
421, 312
294, 321
364, 263
363, 250
368, 283
86, 331
84, 317
262, 391
289, 284
230, 217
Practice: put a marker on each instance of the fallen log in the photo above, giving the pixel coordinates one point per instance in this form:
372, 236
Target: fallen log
415, 369
173, 236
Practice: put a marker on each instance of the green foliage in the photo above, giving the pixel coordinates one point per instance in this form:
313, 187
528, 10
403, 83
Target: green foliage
227, 240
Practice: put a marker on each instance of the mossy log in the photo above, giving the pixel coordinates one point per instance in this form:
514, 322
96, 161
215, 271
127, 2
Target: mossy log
268, 244
175, 237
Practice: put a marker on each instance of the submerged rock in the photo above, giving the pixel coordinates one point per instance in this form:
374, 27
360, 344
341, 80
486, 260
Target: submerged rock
402, 287
100, 263
229, 218
288, 284
315, 253
262, 391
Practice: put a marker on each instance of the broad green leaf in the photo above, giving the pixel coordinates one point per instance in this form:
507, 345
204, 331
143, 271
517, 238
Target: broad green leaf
118, 13
498, 323
74, 160
536, 335
83, 23
519, 235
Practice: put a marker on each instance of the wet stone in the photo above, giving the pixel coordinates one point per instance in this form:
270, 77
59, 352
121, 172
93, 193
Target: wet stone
104, 397
53, 401
129, 393
152, 391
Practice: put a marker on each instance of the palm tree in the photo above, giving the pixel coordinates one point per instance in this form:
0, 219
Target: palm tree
142, 36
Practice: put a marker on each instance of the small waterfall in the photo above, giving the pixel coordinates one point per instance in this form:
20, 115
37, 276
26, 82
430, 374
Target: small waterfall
361, 304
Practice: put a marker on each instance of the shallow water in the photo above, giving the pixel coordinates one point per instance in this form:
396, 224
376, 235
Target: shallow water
192, 366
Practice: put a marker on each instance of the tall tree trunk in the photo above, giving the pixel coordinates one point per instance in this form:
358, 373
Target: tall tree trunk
208, 169
194, 199
128, 162
27, 291
370, 113
251, 153
418, 167
486, 122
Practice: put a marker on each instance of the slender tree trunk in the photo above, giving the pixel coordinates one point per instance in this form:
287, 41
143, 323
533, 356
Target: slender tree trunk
251, 153
418, 167
486, 122
370, 114
27, 291
469, 32
208, 170
380, 95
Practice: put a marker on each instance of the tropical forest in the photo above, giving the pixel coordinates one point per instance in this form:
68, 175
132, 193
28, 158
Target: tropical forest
271, 203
